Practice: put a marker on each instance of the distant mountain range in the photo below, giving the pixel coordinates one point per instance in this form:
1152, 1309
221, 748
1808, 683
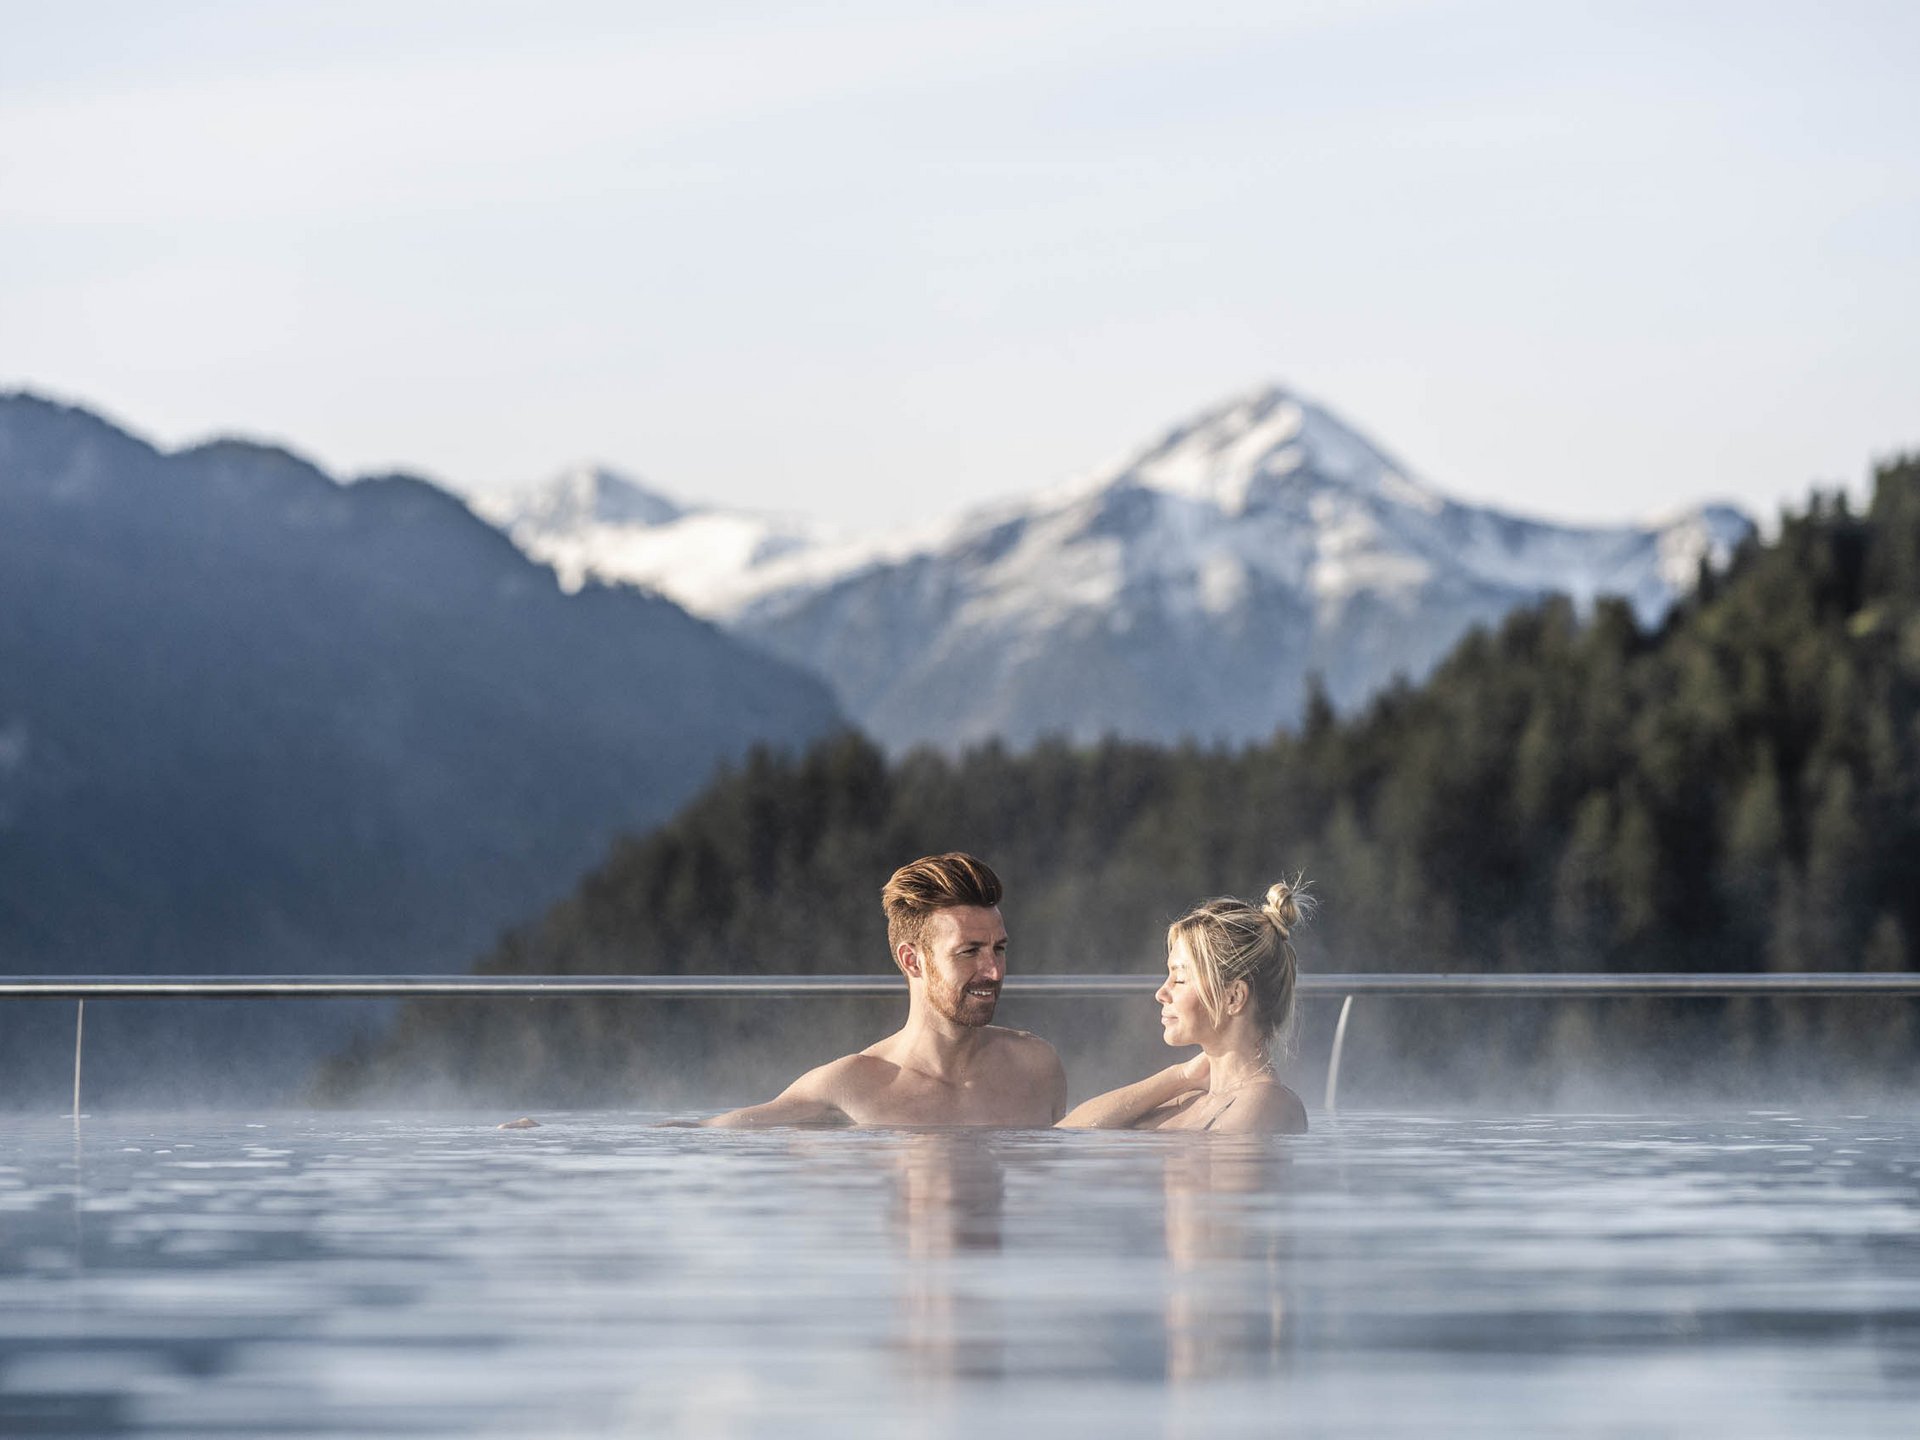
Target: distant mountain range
1189, 591
254, 719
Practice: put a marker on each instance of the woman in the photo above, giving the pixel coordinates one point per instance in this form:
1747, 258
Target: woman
1229, 990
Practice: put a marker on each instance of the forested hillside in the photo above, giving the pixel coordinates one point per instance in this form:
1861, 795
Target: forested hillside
252, 719
1739, 790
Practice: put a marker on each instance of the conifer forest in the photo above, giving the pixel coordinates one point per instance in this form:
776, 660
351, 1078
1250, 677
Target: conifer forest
1738, 790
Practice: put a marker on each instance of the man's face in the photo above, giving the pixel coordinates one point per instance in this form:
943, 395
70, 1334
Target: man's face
963, 954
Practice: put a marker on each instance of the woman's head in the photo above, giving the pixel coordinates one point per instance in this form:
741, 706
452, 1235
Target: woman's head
1226, 943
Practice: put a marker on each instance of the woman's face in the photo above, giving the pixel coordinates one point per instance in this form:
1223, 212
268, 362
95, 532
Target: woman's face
1183, 1014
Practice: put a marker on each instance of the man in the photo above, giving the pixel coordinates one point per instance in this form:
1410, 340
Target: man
947, 1065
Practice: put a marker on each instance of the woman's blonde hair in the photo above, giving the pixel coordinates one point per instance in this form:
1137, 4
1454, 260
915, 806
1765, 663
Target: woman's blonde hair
1229, 940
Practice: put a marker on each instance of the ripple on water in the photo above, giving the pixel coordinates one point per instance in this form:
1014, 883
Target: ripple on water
347, 1275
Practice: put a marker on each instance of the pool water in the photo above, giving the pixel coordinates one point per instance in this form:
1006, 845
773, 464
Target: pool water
357, 1275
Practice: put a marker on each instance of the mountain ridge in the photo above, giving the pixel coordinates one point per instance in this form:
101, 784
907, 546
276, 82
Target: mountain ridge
256, 719
1264, 535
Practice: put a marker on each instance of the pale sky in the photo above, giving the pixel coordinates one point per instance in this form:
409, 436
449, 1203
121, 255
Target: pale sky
879, 262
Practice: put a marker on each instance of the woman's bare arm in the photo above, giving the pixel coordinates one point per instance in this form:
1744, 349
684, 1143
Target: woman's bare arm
1118, 1109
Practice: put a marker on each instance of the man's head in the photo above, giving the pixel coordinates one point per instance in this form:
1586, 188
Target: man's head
944, 928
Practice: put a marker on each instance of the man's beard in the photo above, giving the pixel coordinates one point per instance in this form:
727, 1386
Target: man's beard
951, 1001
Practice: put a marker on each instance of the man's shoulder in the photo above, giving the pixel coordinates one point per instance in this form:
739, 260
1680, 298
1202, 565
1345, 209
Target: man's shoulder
1026, 1038
1023, 1046
861, 1065
843, 1082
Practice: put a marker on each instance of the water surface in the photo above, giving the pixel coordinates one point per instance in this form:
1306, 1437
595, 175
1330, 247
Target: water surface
357, 1275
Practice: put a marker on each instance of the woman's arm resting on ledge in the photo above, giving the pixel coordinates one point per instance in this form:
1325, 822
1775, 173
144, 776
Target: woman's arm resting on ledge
1117, 1109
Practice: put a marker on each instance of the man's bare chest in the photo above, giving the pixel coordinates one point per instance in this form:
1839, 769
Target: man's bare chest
910, 1098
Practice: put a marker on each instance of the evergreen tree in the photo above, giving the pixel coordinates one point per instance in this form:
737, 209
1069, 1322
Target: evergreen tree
1737, 790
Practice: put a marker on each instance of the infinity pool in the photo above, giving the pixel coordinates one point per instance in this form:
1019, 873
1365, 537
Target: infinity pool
358, 1275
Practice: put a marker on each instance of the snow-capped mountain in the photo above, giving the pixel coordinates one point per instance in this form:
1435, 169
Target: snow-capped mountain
1189, 590
592, 523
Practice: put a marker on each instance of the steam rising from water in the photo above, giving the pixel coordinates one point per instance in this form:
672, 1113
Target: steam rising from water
700, 1056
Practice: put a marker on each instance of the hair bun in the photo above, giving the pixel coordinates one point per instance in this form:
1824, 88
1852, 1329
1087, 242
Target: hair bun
1287, 905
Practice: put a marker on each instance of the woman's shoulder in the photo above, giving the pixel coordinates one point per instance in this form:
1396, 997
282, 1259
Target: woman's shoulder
1267, 1108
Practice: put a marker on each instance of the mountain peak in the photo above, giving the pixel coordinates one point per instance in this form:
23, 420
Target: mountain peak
1235, 453
1187, 589
588, 494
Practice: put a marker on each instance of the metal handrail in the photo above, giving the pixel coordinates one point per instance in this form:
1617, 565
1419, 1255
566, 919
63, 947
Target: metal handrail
1448, 983
1433, 984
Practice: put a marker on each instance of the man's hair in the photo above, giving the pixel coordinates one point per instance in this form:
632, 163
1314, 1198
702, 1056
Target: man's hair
939, 882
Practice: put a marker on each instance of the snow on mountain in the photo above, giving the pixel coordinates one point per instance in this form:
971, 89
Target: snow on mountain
1277, 483
589, 522
590, 495
1188, 590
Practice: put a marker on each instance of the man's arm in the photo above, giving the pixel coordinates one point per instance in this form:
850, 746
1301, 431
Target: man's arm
810, 1100
1041, 1074
1056, 1085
